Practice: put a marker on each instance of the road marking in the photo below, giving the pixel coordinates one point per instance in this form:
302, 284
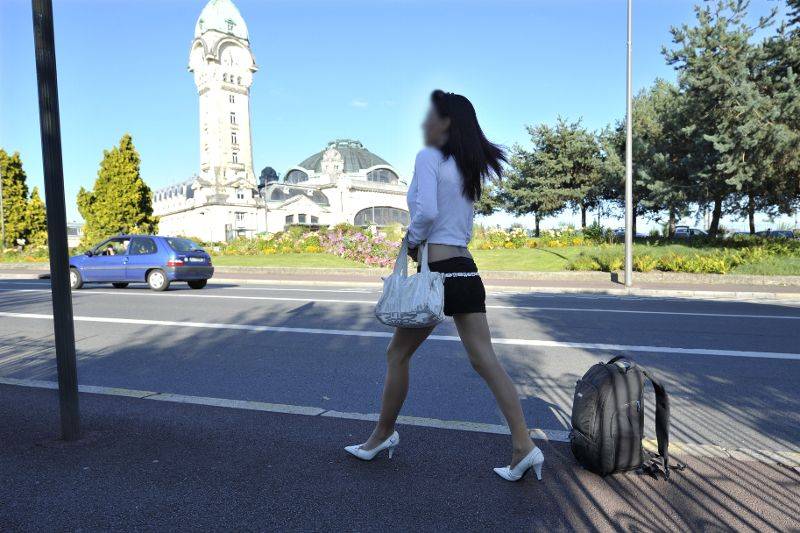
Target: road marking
187, 294
539, 343
787, 458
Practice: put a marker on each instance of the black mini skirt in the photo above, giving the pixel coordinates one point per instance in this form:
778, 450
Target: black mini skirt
462, 294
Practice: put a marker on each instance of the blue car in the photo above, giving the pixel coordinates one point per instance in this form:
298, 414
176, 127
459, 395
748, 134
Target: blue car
154, 259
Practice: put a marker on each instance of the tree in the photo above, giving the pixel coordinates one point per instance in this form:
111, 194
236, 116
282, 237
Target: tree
489, 202
661, 181
535, 181
779, 76
15, 198
728, 119
37, 219
120, 201
576, 154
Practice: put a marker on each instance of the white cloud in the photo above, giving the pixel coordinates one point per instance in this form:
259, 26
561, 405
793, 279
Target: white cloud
359, 103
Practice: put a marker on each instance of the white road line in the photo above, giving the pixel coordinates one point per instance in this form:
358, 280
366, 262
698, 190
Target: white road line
787, 458
186, 294
450, 338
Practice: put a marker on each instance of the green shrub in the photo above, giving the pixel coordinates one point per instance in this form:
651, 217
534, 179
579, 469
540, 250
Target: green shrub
645, 263
583, 262
672, 263
610, 261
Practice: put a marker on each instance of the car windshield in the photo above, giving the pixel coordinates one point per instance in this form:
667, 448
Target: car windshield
182, 245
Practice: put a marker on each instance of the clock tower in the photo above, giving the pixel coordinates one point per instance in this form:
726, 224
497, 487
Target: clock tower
223, 67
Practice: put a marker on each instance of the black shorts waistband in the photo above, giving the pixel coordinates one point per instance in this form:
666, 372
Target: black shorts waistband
454, 264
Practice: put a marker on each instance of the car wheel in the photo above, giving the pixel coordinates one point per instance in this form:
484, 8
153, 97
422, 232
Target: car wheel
119, 285
75, 279
197, 283
157, 280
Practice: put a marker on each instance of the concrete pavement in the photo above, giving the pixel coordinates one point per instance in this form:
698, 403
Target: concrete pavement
730, 366
157, 466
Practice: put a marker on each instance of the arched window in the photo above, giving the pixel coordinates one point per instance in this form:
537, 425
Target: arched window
296, 176
381, 216
382, 175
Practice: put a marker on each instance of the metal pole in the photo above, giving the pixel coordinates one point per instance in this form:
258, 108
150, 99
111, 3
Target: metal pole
2, 217
49, 123
629, 159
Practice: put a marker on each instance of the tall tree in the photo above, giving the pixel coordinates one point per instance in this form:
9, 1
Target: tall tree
489, 202
779, 76
120, 201
727, 116
15, 198
535, 182
37, 219
576, 154
660, 155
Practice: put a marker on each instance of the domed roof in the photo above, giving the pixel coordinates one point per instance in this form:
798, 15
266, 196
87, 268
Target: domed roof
355, 157
223, 16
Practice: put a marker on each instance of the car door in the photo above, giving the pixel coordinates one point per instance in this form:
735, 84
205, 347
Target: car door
107, 262
142, 256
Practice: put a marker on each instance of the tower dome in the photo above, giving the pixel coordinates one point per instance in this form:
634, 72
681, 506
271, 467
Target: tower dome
222, 16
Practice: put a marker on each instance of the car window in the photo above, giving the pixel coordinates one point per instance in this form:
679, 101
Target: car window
142, 246
182, 245
114, 246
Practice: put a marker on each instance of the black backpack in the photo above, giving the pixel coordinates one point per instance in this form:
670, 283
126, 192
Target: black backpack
608, 420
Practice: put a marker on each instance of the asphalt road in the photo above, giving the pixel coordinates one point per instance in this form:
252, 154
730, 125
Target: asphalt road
731, 368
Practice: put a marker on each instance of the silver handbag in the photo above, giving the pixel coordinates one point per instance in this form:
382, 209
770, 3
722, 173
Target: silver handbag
415, 301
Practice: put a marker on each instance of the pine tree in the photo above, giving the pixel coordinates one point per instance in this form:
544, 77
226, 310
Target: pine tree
15, 198
37, 219
535, 182
728, 117
120, 201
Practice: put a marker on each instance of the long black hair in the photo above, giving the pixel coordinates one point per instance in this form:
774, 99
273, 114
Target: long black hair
476, 157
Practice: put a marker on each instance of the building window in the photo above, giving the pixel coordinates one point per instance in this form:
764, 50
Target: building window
231, 98
240, 194
289, 219
382, 175
234, 140
295, 176
381, 216
239, 216
314, 220
225, 77
233, 117
239, 80
301, 219
235, 157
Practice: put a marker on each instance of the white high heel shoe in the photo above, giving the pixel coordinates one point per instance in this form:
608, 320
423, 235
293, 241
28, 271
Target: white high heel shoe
368, 455
534, 459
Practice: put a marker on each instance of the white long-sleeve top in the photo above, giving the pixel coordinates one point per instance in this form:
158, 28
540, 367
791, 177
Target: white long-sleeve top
440, 212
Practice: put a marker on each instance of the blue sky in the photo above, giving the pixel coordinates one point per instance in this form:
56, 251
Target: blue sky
349, 68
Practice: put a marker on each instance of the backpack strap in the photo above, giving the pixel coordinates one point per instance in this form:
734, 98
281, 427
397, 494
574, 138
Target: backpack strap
662, 429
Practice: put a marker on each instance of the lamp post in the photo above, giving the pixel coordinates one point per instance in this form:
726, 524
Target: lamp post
629, 158
50, 125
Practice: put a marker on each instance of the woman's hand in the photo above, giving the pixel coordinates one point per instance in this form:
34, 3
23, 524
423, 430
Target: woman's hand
413, 253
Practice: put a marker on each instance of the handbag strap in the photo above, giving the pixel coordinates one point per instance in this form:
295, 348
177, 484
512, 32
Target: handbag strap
401, 264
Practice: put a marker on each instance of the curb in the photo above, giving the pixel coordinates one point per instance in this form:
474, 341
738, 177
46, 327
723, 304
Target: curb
622, 292
789, 459
715, 280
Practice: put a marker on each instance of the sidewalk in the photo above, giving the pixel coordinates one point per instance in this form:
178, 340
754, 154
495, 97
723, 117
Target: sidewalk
163, 466
645, 284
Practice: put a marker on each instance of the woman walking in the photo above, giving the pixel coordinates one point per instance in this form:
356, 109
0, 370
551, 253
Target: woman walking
448, 174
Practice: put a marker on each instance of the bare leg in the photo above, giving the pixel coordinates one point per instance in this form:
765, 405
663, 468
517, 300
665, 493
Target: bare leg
403, 345
474, 332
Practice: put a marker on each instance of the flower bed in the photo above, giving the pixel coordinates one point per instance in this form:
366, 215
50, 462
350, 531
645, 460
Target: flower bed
377, 248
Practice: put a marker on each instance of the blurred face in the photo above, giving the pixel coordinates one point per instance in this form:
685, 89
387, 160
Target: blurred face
435, 128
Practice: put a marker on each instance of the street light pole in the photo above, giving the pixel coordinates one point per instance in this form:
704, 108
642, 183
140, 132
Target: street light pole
2, 217
50, 126
629, 158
